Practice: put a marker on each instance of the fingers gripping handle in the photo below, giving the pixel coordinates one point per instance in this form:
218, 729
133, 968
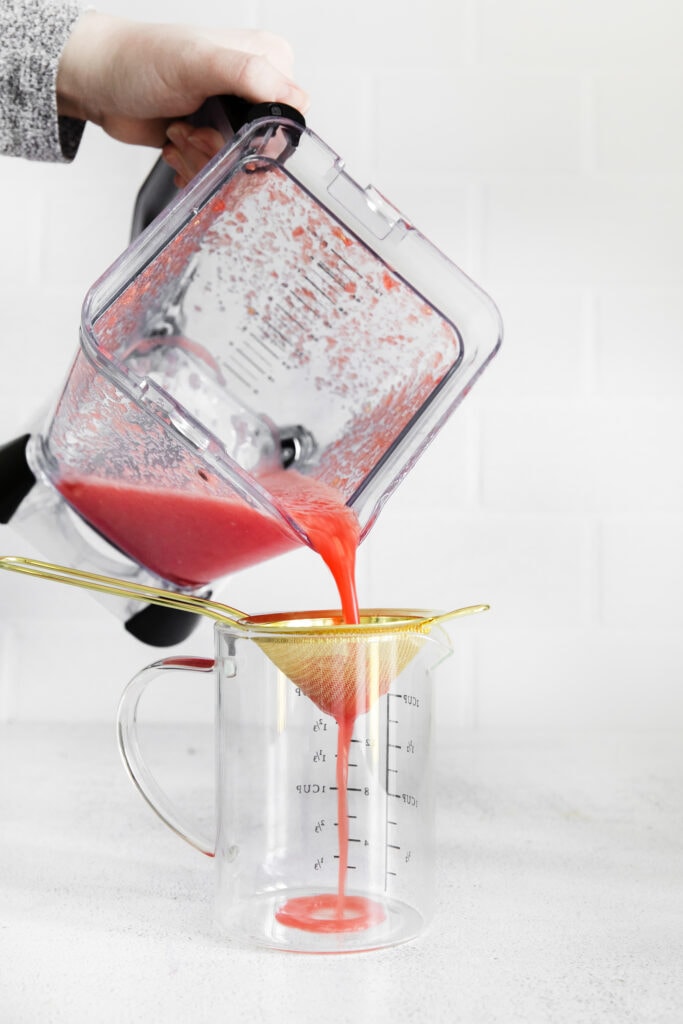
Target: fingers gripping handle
129, 745
227, 114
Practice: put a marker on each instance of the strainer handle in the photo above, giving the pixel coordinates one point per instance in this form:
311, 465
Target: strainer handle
129, 745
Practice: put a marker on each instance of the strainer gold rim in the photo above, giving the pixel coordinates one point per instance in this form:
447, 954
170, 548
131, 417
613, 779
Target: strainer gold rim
382, 621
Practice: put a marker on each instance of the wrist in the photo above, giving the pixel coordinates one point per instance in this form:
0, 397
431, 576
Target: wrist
90, 45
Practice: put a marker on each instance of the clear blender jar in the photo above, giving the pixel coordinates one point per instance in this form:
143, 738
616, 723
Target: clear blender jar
275, 318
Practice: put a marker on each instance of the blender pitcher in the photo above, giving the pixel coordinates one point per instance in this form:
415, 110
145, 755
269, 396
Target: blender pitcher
276, 327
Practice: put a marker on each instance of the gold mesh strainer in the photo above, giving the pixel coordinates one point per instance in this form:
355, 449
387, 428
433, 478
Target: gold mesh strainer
343, 668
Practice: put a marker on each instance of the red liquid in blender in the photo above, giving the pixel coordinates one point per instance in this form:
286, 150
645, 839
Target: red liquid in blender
193, 537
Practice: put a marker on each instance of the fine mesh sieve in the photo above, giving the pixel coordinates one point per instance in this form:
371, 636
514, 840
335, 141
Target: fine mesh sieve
342, 668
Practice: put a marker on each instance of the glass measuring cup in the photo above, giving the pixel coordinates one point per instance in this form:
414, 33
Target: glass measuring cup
324, 828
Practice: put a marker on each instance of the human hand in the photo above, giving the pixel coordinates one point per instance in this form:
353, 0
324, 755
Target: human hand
138, 80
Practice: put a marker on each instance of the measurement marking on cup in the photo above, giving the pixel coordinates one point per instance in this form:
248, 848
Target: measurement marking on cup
245, 381
252, 363
282, 341
397, 759
291, 316
349, 867
387, 872
271, 353
346, 263
334, 277
304, 304
317, 288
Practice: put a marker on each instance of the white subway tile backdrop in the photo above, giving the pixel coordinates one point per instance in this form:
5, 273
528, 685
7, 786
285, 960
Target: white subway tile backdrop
539, 143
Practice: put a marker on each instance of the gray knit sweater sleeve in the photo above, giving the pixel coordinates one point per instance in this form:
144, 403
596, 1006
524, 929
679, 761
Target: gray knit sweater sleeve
32, 36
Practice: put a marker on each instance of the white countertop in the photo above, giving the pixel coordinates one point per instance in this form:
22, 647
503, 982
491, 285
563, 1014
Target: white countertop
560, 871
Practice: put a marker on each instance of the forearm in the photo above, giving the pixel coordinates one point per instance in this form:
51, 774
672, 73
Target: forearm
33, 34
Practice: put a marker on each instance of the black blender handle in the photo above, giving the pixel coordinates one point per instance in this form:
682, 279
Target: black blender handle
225, 113
16, 476
161, 627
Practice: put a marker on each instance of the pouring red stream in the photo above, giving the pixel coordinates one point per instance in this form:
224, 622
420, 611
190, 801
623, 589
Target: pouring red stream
334, 533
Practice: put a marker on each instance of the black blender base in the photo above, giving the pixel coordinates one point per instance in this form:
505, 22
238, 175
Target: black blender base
161, 627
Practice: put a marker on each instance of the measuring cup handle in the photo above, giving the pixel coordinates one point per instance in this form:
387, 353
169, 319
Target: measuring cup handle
129, 745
